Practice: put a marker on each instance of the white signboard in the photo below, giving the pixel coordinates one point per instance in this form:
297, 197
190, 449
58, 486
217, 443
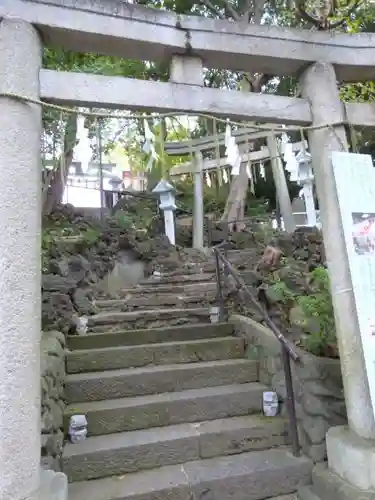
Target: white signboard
355, 183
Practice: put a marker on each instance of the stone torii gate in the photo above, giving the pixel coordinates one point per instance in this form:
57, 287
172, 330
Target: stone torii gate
125, 30
197, 167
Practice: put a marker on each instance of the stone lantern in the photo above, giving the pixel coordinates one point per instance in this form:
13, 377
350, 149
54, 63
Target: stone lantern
166, 193
306, 180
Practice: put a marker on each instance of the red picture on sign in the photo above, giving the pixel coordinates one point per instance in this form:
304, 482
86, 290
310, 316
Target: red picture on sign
363, 233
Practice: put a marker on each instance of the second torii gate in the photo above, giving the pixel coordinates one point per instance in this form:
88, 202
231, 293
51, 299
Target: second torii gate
198, 166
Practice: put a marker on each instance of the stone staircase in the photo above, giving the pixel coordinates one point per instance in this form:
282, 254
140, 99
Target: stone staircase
187, 288
173, 405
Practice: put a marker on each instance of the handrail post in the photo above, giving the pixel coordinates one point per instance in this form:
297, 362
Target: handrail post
219, 290
209, 231
289, 401
287, 349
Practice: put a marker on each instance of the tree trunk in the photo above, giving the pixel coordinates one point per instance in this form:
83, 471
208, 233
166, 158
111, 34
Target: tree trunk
55, 183
236, 201
234, 212
252, 11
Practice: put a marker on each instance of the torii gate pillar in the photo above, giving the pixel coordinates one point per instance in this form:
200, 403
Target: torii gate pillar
20, 258
351, 450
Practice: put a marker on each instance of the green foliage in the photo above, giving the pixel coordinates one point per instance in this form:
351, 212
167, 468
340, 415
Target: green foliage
60, 234
124, 220
282, 293
315, 311
169, 130
140, 221
319, 322
214, 199
363, 20
317, 306
358, 92
63, 60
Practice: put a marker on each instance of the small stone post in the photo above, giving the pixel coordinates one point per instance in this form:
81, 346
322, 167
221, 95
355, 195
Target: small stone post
186, 69
281, 185
167, 204
198, 214
347, 447
20, 257
306, 178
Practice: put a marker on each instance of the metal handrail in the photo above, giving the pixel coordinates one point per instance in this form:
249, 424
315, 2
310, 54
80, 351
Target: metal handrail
287, 349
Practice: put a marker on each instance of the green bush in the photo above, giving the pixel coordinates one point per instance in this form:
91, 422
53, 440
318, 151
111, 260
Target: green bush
214, 199
56, 234
319, 324
140, 221
315, 311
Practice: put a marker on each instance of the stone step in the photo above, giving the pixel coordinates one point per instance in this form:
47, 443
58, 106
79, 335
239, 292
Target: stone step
97, 386
306, 493
142, 412
239, 258
150, 336
157, 301
179, 278
232, 256
193, 277
190, 269
199, 288
245, 253
292, 496
127, 452
256, 475
190, 351
152, 318
201, 272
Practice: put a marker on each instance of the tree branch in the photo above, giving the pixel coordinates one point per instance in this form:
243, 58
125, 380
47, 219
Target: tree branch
300, 9
245, 8
211, 7
230, 9
322, 22
256, 82
356, 4
257, 11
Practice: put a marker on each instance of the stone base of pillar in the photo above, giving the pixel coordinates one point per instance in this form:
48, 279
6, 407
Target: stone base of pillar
351, 457
328, 485
349, 474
